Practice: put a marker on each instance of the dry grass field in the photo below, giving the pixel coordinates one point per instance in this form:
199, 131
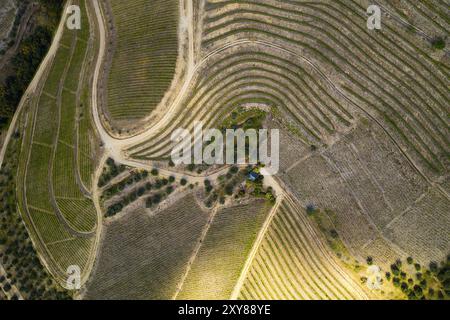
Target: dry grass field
372, 190
293, 263
53, 200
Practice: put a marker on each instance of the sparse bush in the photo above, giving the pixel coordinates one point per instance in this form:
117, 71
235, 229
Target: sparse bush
438, 43
234, 170
418, 291
395, 270
141, 191
334, 234
433, 267
310, 209
149, 202
158, 184
157, 198
229, 189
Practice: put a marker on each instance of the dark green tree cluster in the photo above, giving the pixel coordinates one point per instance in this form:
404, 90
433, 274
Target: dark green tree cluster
139, 192
134, 178
228, 187
111, 171
432, 283
442, 273
165, 189
29, 55
256, 188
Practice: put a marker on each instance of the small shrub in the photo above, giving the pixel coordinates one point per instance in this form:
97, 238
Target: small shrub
334, 234
438, 43
141, 191
310, 209
234, 170
157, 198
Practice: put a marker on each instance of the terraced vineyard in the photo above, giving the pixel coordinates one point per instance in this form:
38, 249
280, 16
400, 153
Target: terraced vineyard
52, 198
293, 263
143, 256
145, 56
218, 264
304, 57
364, 150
